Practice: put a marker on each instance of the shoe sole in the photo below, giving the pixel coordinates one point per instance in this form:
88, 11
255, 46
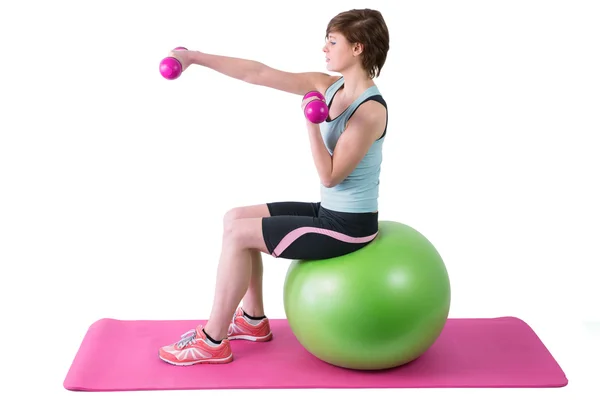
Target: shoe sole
207, 361
252, 338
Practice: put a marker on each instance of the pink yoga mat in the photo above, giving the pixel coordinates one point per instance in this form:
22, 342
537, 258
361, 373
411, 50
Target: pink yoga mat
499, 352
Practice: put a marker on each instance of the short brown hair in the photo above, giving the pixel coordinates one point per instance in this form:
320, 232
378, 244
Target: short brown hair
368, 28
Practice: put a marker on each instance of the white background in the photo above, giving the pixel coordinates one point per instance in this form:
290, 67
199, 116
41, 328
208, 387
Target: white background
114, 181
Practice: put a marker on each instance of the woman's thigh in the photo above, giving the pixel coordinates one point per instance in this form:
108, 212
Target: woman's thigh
273, 209
311, 238
244, 227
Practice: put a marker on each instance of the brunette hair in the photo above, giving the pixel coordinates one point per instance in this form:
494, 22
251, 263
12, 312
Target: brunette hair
368, 28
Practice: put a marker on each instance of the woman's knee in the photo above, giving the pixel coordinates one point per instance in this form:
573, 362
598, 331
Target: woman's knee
231, 215
244, 233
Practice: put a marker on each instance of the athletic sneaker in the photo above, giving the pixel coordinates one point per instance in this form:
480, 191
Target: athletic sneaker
245, 328
195, 348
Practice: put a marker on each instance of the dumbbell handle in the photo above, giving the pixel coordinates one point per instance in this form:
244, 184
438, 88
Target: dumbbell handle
314, 93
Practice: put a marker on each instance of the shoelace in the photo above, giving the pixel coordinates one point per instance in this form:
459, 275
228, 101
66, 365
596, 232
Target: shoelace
187, 338
190, 336
231, 324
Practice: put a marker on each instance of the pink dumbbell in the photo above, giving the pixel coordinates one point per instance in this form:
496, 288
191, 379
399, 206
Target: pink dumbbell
316, 111
170, 67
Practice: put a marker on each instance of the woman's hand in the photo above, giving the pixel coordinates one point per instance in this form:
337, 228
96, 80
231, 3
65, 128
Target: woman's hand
183, 56
305, 103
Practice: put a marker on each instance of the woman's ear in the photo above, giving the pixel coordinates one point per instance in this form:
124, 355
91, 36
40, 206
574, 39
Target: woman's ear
357, 49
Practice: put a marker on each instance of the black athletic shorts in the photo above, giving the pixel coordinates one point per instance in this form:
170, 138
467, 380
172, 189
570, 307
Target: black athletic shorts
307, 231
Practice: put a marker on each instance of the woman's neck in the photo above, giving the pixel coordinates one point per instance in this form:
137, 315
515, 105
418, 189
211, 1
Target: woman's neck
356, 81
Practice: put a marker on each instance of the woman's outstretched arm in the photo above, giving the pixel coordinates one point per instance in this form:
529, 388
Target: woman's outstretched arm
256, 72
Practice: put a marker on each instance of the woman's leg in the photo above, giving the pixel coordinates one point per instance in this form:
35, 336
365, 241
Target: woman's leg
240, 265
206, 344
253, 299
253, 303
240, 237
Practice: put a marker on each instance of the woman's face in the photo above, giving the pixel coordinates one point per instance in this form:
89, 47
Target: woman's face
340, 55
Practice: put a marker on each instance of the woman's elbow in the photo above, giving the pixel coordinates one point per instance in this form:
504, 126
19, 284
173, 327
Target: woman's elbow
330, 182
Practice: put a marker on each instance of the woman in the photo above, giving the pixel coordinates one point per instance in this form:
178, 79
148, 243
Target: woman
348, 165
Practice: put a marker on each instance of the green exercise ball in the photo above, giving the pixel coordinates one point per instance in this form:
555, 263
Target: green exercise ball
379, 307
